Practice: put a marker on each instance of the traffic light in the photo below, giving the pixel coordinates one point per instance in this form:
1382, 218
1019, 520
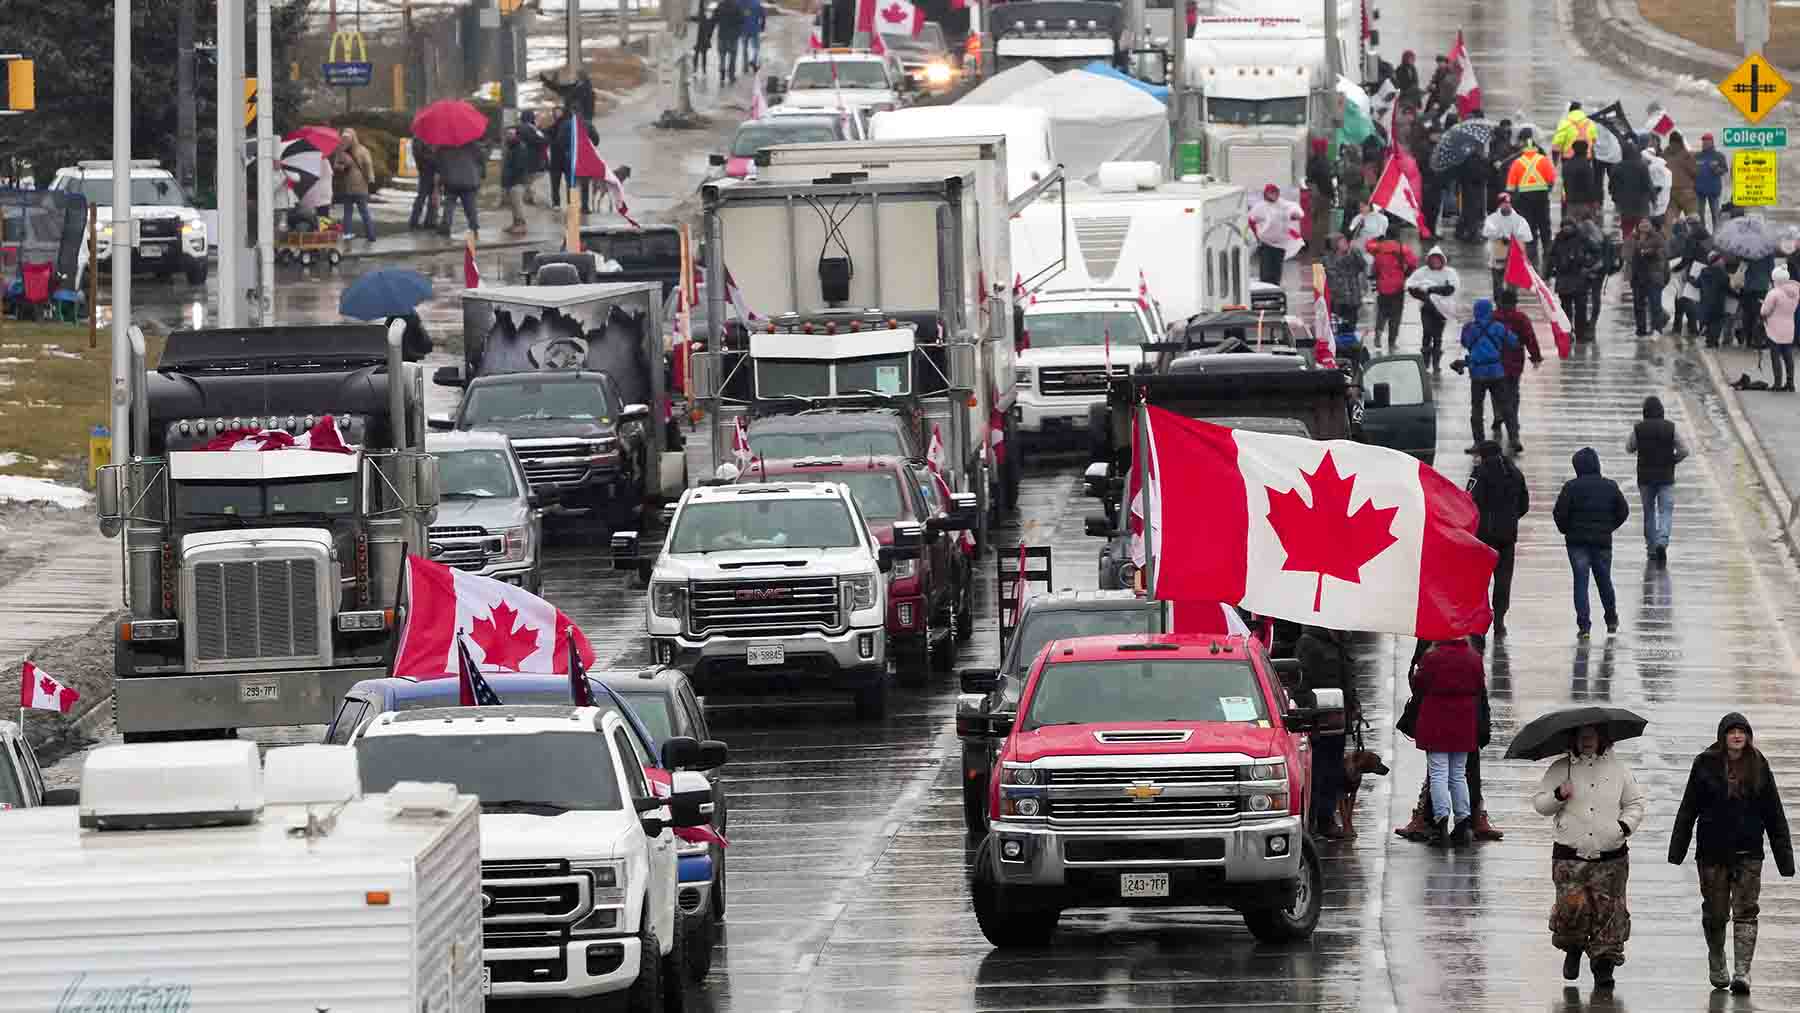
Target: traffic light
21, 85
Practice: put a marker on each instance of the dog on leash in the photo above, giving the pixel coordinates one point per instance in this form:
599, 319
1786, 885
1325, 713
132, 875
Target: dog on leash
1357, 764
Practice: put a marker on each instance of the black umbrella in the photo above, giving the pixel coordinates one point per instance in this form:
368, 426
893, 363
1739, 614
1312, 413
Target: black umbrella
1460, 143
1548, 734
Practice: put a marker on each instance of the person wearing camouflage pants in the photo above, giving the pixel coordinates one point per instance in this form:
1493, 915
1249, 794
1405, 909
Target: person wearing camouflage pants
1590, 914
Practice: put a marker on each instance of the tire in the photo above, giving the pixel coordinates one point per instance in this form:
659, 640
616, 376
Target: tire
196, 273
645, 994
965, 610
974, 796
871, 701
1297, 921
698, 933
335, 257
306, 259
943, 655
719, 891
1007, 923
674, 967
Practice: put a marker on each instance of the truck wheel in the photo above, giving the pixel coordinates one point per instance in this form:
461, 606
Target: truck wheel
942, 655
974, 794
1296, 921
697, 934
1009, 924
871, 701
674, 967
718, 897
646, 992
965, 610
196, 273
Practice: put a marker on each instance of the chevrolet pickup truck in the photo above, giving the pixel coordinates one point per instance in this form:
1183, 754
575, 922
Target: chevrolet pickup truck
1155, 770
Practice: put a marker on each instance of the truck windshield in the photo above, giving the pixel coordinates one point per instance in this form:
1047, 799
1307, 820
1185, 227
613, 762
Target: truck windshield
155, 191
753, 137
1101, 692
475, 474
845, 443
331, 495
873, 375
877, 492
815, 74
1252, 112
1065, 330
509, 402
764, 523
927, 44
1044, 625
555, 770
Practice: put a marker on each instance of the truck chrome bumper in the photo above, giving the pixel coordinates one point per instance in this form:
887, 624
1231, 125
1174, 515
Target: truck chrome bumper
588, 966
1062, 413
840, 658
1224, 857
168, 703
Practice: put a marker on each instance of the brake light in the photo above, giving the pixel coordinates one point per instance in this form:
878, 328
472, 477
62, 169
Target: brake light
168, 578
362, 569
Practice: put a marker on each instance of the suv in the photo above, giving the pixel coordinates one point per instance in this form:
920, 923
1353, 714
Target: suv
831, 80
1157, 770
582, 447
931, 598
778, 579
171, 233
488, 521
578, 861
794, 126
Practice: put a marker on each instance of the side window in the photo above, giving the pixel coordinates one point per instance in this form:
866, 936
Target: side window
696, 714
1405, 381
633, 762
33, 772
348, 717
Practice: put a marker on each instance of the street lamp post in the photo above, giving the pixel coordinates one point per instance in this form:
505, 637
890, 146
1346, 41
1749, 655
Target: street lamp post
228, 175
265, 165
123, 234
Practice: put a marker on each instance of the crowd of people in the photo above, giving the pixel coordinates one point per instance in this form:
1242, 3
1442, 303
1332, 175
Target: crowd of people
736, 28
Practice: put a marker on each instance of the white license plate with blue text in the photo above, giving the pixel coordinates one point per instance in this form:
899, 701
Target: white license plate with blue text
1144, 884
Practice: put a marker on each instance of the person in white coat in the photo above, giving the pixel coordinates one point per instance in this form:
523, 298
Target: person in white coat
1369, 225
1435, 286
1662, 182
1500, 229
1275, 222
1595, 805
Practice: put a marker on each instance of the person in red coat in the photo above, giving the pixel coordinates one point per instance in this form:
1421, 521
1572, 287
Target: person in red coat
1393, 260
1449, 682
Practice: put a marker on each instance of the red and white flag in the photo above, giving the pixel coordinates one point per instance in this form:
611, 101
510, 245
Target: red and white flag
506, 628
1144, 299
1468, 90
1520, 274
1143, 468
876, 44
1337, 534
1660, 122
740, 444
587, 164
1206, 617
893, 16
759, 104
814, 42
324, 435
1324, 335
471, 270
997, 433
935, 457
735, 296
39, 691
1394, 194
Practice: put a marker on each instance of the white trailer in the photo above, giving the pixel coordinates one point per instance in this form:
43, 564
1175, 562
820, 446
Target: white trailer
190, 880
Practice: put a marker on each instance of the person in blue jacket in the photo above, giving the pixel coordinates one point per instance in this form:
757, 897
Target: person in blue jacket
1485, 340
1709, 181
755, 19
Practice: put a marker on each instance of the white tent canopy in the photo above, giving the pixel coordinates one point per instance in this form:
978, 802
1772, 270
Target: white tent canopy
1004, 85
1096, 119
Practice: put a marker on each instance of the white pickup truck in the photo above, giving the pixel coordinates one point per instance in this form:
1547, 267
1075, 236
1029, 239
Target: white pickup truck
578, 858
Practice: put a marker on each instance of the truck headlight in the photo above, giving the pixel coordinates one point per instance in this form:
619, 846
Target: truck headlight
1128, 572
514, 545
859, 591
1021, 775
1271, 769
608, 882
194, 232
1021, 376
1265, 787
904, 569
937, 73
666, 598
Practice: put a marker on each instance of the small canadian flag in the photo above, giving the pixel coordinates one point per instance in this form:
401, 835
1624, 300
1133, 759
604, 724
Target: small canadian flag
38, 690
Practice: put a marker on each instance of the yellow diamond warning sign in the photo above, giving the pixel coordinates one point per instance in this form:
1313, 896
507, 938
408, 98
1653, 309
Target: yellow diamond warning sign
1754, 88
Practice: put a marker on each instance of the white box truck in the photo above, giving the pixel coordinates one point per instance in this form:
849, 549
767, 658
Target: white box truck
192, 878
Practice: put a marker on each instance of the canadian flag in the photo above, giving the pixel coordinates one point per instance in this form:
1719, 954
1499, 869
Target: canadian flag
324, 435
506, 628
39, 691
740, 444
1206, 617
1468, 90
735, 296
892, 16
1394, 194
935, 458
1144, 299
585, 163
1324, 335
471, 270
1337, 534
813, 42
877, 45
1143, 471
1520, 274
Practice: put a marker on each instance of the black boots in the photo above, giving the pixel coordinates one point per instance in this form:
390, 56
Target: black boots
1463, 835
1603, 973
1571, 965
1440, 832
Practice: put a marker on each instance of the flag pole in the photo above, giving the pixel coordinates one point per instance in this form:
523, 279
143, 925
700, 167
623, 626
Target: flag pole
571, 217
1144, 483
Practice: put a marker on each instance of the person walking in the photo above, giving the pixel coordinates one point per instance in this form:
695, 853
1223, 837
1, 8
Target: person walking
1501, 498
460, 169
1435, 286
729, 18
1649, 273
1393, 261
1731, 795
424, 207
756, 18
1712, 168
703, 39
559, 156
539, 146
1715, 289
1419, 827
354, 173
1595, 805
1658, 448
1449, 682
1684, 175
1529, 179
1571, 270
1631, 188
1758, 277
1321, 184
1662, 183
1581, 183
1778, 309
1587, 512
1486, 341
1513, 358
1275, 224
1346, 281
1503, 228
515, 175
1406, 79
1352, 191
1325, 664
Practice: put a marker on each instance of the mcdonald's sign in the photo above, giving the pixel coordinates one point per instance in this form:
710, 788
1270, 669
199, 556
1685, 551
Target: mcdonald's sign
347, 61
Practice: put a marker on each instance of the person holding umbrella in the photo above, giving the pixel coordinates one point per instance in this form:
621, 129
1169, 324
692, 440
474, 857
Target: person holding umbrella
1595, 805
1731, 793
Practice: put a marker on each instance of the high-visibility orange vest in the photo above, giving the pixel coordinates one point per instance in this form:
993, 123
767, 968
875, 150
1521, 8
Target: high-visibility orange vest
1531, 172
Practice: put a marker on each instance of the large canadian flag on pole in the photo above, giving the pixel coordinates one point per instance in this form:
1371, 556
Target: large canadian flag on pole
506, 628
1520, 274
1394, 194
39, 691
1468, 90
1336, 534
890, 16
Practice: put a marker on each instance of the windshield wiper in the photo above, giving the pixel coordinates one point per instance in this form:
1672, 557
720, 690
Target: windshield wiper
872, 393
468, 495
525, 805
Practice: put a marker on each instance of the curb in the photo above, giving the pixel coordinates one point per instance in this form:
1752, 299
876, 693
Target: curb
1616, 31
1781, 499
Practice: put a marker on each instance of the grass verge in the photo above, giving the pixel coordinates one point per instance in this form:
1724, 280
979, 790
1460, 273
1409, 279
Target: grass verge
1711, 25
53, 390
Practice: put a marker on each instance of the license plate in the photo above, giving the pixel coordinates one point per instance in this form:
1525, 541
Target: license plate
766, 654
150, 252
259, 692
1144, 884
487, 980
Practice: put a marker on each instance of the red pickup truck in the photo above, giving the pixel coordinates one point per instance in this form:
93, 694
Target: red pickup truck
1158, 770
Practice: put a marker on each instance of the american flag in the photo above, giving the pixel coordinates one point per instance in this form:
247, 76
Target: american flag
474, 690
579, 690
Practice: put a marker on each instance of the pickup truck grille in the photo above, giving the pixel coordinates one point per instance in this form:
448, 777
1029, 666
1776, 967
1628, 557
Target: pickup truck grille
531, 903
251, 609
465, 548
1124, 776
553, 463
159, 228
1157, 811
761, 607
1076, 381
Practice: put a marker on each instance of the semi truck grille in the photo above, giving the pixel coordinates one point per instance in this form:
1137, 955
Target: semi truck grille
755, 607
1076, 381
1260, 164
554, 463
465, 548
1123, 776
1157, 811
249, 609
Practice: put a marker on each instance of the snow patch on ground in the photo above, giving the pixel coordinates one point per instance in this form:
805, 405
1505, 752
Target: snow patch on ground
18, 489
8, 459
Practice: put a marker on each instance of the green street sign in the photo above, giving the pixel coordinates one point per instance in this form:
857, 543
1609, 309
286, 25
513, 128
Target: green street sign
1755, 137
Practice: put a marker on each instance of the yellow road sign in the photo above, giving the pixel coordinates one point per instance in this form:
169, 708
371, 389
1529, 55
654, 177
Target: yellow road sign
249, 103
1754, 88
1754, 178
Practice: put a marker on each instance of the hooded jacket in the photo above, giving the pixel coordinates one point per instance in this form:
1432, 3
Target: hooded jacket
1581, 181
1661, 183
1513, 356
1393, 261
1631, 185
1575, 126
1650, 259
1709, 180
1730, 828
1501, 498
1656, 444
1778, 311
1486, 340
1346, 277
1571, 261
1606, 808
1428, 281
1499, 230
1450, 683
1684, 170
1590, 507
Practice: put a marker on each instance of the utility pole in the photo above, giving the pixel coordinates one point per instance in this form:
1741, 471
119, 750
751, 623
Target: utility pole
1178, 36
624, 23
265, 164
509, 69
187, 131
124, 234
229, 162
1753, 25
572, 39
1334, 64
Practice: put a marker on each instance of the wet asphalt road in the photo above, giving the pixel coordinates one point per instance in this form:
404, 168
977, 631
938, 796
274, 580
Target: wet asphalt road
847, 866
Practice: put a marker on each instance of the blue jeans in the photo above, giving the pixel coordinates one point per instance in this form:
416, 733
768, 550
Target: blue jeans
752, 49
1447, 773
1595, 559
357, 202
1709, 210
451, 199
1659, 512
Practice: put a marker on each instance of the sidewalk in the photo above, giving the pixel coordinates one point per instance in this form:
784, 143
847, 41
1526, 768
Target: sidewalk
1768, 423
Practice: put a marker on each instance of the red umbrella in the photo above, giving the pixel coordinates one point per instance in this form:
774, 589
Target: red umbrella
449, 123
324, 139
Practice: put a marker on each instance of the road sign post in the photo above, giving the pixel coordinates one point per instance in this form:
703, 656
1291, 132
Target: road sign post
1754, 88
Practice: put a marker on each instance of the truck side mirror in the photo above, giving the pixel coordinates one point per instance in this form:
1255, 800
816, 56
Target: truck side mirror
715, 160
691, 803
440, 423
680, 751
1097, 526
107, 499
61, 797
713, 755
448, 376
978, 680
1381, 396
425, 479
624, 550
634, 413
1287, 670
1093, 480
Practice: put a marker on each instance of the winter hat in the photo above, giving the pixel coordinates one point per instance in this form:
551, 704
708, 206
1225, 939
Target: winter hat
1271, 191
1507, 297
1488, 449
1706, 137
1438, 252
1781, 273
1506, 200
1653, 407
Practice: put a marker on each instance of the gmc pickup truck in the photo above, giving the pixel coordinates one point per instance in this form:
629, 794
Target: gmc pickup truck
1156, 770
